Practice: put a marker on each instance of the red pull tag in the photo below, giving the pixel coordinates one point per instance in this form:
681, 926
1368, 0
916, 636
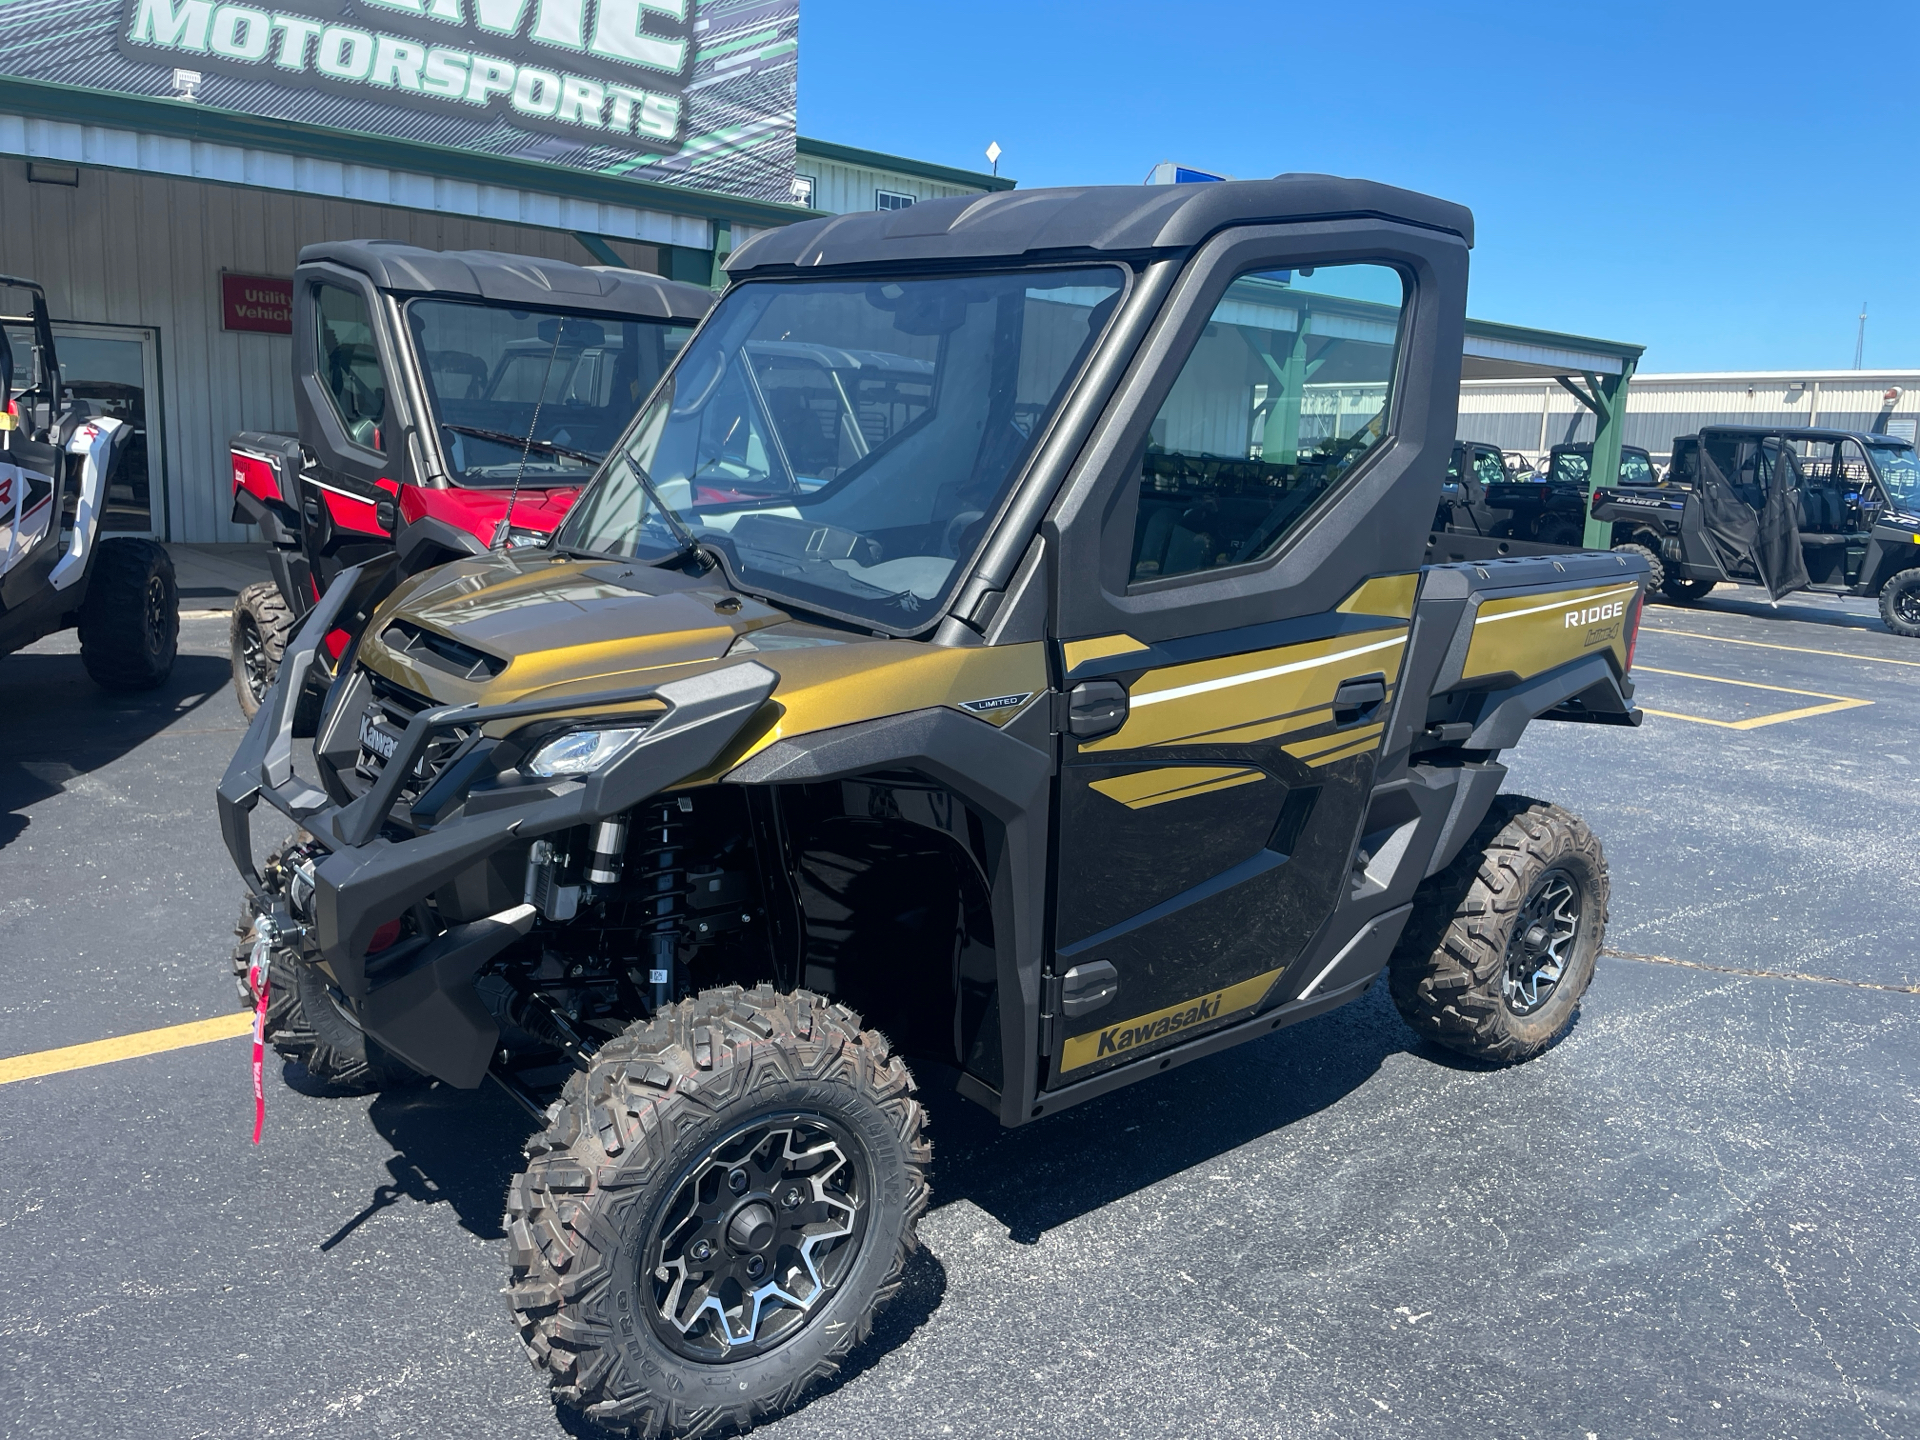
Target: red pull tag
257, 972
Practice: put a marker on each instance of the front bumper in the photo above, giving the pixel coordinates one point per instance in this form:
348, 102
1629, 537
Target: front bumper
366, 880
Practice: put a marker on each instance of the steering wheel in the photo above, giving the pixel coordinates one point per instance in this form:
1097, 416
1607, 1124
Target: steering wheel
956, 533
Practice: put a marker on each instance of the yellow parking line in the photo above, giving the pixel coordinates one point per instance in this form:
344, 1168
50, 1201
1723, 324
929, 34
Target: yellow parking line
1764, 645
124, 1047
1838, 702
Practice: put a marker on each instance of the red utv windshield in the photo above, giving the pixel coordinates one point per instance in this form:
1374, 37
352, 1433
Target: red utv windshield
500, 378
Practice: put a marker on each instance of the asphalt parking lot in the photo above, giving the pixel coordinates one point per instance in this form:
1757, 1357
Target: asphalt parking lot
1692, 1217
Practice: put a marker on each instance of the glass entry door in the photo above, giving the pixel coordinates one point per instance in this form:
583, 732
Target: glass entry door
117, 368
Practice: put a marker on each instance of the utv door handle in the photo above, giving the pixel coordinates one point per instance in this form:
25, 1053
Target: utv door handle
1088, 986
1359, 698
1096, 708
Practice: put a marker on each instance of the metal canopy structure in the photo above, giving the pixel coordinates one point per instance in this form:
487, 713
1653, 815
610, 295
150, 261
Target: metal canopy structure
1594, 372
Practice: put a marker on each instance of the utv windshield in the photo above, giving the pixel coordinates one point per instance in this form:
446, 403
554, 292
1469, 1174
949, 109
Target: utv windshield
491, 370
1900, 473
844, 444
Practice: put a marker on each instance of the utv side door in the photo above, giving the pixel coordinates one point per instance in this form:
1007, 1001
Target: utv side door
1235, 573
351, 421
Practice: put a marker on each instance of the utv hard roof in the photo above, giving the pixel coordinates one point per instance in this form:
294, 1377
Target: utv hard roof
1801, 432
515, 280
1087, 220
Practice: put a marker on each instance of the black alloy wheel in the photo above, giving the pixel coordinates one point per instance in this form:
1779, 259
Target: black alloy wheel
1540, 946
718, 1207
1900, 604
756, 1236
1502, 941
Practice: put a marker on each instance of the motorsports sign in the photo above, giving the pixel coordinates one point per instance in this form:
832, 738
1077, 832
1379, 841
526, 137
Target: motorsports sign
686, 92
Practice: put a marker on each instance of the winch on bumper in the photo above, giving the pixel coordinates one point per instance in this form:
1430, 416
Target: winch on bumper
417, 997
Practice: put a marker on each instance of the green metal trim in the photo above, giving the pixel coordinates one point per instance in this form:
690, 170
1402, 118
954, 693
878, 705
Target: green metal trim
877, 160
602, 252
1610, 425
1554, 339
190, 120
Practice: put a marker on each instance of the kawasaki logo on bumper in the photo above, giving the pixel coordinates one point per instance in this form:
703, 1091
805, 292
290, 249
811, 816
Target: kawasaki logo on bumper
1129, 1035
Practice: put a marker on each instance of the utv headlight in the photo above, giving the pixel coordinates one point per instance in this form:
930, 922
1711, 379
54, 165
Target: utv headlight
581, 752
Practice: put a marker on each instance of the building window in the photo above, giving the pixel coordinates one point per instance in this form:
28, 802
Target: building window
891, 200
803, 190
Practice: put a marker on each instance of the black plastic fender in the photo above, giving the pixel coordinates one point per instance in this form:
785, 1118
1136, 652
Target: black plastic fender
1009, 781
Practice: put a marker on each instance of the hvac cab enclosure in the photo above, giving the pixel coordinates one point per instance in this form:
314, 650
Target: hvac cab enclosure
434, 390
1120, 726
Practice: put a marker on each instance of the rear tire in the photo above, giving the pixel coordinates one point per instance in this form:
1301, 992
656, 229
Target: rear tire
1900, 603
1656, 567
1501, 943
306, 1026
1685, 592
130, 623
615, 1253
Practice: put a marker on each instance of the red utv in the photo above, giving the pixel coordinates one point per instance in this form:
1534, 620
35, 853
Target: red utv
448, 403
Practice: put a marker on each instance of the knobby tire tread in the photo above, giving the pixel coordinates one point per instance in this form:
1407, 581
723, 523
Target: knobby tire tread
1445, 972
612, 1132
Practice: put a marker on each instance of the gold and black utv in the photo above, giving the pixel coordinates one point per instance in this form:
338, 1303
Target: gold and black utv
1000, 639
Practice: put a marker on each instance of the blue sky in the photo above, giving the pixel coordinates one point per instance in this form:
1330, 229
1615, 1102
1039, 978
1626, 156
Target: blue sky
1724, 183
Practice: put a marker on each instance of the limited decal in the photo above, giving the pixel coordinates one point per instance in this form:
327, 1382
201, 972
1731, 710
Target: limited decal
997, 702
1130, 1035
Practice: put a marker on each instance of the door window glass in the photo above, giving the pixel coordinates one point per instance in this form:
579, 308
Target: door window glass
1285, 393
349, 363
1489, 468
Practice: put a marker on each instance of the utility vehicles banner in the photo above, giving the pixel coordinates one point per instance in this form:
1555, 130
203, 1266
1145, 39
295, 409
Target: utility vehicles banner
687, 92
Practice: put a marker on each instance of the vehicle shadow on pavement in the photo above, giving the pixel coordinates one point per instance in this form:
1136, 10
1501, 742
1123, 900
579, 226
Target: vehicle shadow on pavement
1063, 1166
454, 1147
56, 725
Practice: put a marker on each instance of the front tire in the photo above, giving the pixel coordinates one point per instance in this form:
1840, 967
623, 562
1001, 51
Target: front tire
307, 1026
257, 637
130, 623
1501, 943
1900, 603
715, 1212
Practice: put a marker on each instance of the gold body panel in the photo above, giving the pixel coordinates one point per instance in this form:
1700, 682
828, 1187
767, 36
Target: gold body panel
1525, 635
574, 634
1257, 695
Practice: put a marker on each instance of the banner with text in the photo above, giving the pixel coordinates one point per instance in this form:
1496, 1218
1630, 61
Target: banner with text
697, 93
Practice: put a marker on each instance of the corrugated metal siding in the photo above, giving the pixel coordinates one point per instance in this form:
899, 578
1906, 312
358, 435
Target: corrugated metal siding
1659, 407
126, 249
844, 189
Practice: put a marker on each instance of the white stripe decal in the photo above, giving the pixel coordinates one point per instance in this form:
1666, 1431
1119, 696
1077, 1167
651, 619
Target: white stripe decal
1560, 604
1180, 692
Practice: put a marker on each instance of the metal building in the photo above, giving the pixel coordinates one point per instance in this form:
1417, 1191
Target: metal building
843, 179
1533, 415
137, 215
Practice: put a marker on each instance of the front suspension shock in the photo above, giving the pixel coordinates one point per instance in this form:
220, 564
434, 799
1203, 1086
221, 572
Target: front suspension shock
663, 881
